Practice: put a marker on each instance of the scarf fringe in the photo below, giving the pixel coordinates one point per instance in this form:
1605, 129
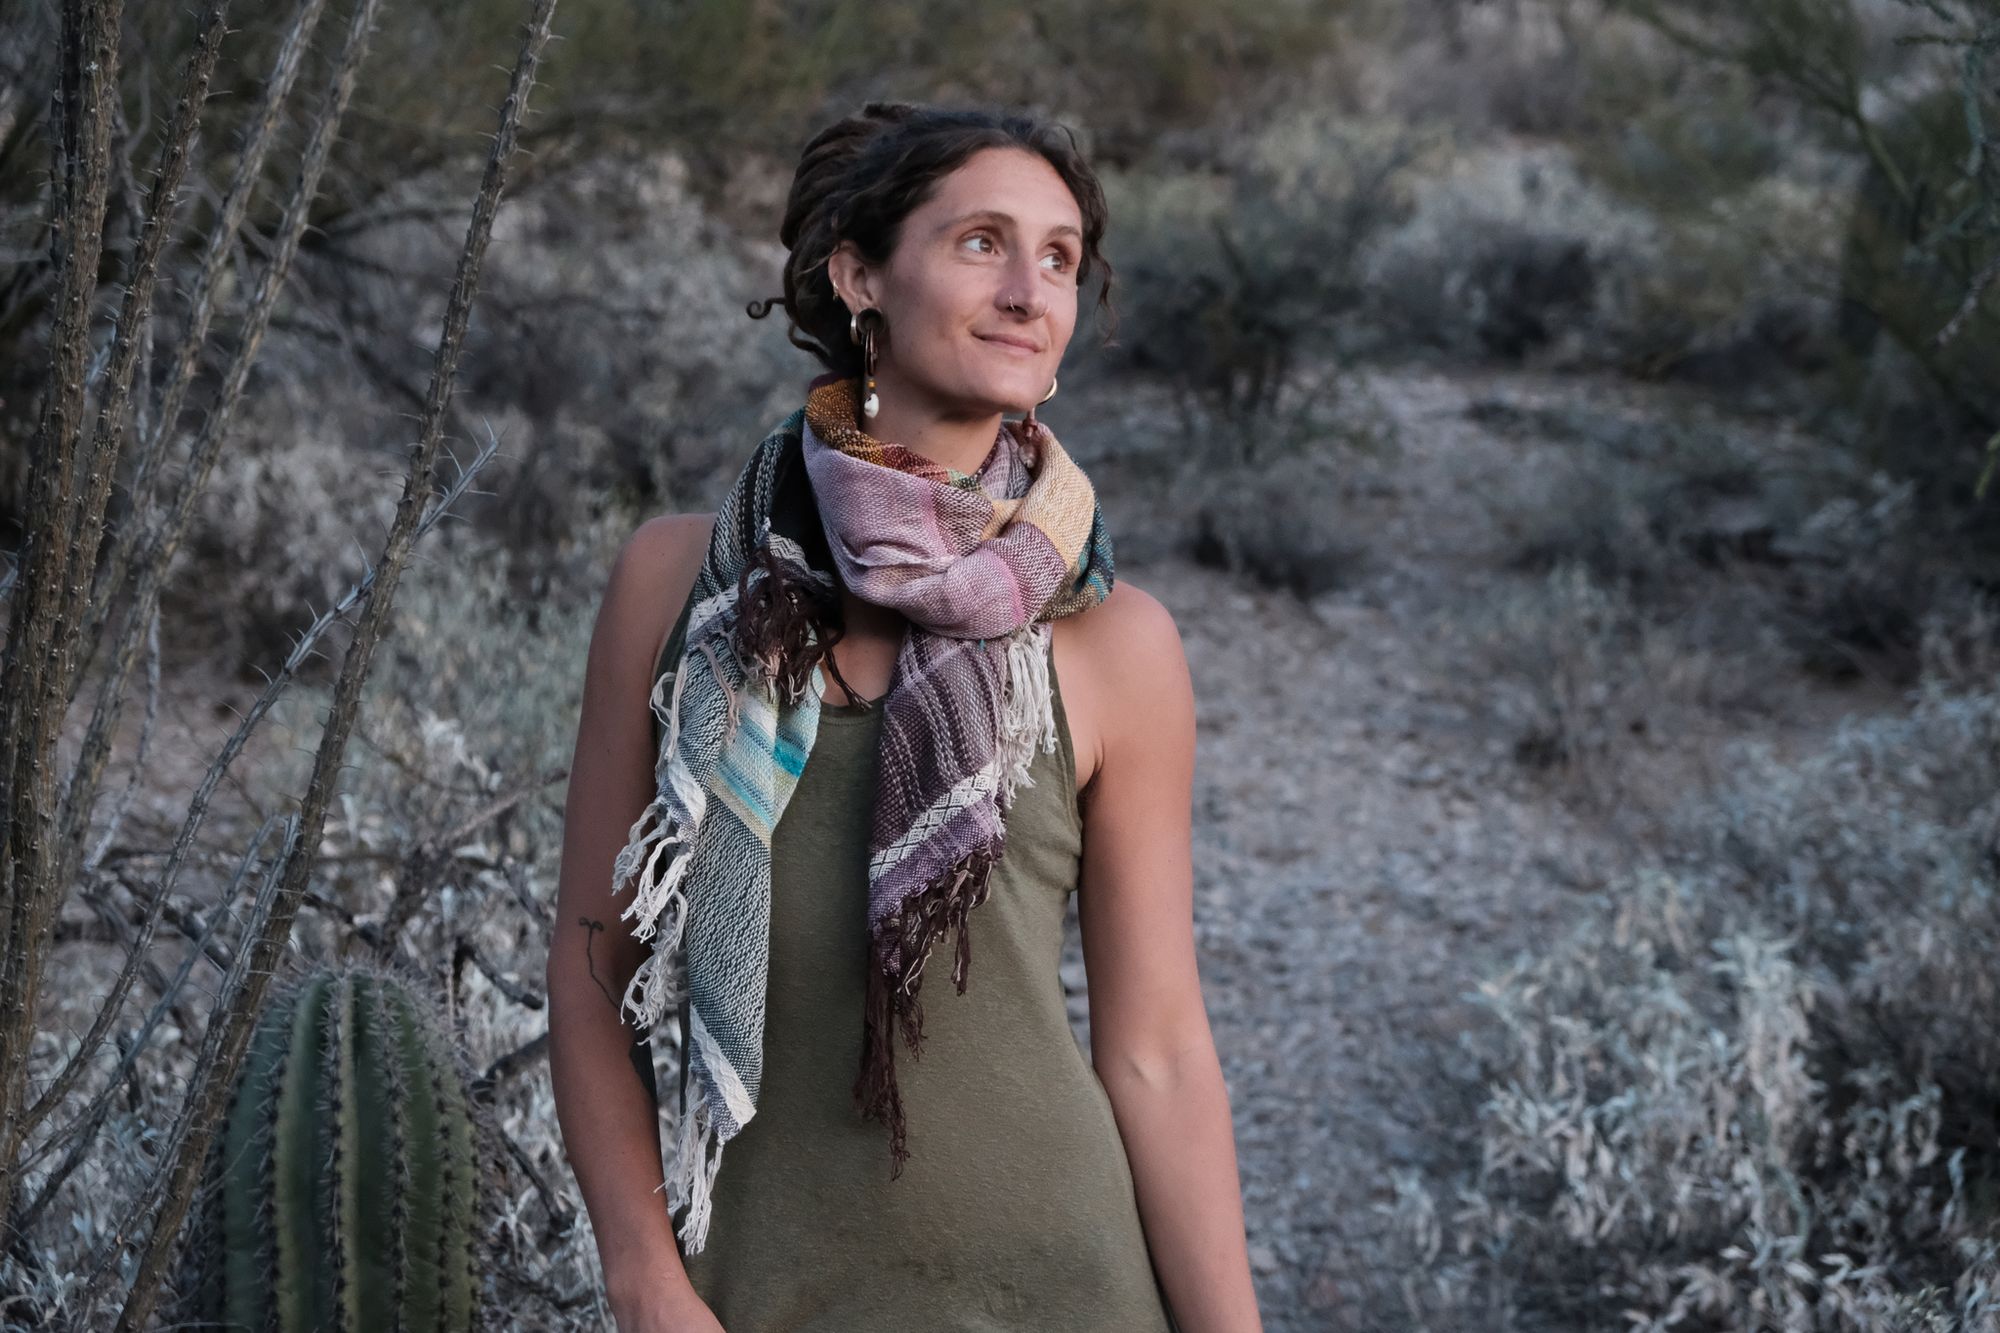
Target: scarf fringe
779, 618
1027, 712
899, 951
659, 903
690, 1181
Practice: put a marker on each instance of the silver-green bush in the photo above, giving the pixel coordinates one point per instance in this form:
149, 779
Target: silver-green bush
1756, 1091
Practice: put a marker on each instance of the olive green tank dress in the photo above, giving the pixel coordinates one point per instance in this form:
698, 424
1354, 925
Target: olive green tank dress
1015, 1210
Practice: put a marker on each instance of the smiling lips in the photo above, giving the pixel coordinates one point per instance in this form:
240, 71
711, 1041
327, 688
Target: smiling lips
1013, 344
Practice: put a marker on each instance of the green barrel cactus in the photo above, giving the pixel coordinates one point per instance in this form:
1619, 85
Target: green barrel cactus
344, 1184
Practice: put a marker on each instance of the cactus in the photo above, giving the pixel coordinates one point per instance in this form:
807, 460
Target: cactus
343, 1188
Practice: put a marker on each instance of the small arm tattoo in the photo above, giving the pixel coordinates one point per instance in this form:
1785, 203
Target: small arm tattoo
591, 928
641, 1052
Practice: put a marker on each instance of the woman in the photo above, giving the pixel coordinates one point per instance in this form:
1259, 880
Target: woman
900, 711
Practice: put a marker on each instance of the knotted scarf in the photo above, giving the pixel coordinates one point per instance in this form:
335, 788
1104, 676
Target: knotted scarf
980, 564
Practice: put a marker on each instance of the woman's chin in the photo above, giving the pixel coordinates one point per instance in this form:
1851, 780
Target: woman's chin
1016, 397
1006, 394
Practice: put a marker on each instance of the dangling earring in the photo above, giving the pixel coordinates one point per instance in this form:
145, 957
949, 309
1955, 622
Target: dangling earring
1029, 420
872, 404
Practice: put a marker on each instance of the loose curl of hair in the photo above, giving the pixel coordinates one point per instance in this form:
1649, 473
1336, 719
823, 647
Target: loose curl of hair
861, 176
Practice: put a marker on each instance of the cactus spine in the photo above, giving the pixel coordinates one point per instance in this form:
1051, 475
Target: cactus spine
345, 1179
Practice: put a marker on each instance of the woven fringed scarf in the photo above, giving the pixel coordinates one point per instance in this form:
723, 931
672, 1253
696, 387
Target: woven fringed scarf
980, 564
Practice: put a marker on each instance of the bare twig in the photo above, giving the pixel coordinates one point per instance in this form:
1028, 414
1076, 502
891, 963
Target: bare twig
32, 677
511, 1064
524, 995
302, 652
422, 863
1973, 295
139, 750
241, 975
258, 138
81, 1132
561, 1219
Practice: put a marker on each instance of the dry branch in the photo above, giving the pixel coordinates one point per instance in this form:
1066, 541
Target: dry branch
32, 677
82, 1132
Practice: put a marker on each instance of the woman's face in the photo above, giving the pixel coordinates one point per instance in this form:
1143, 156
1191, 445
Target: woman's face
980, 293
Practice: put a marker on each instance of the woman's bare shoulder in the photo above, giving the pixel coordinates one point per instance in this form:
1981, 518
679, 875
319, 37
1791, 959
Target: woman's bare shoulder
653, 575
1130, 630
669, 538
1120, 664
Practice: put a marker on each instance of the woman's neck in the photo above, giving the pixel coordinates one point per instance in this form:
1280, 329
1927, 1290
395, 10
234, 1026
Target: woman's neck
958, 440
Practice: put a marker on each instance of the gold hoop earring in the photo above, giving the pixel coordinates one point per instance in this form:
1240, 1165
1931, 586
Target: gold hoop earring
1029, 420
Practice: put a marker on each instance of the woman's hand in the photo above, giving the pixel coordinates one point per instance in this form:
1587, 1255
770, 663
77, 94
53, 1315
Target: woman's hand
672, 1312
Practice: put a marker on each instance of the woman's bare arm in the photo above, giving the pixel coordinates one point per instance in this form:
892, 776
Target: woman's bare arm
606, 1112
1149, 1034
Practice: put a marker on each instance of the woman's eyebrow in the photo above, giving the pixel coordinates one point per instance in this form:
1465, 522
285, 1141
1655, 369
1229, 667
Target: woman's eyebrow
1006, 219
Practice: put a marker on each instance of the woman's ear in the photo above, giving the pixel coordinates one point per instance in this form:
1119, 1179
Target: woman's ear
853, 280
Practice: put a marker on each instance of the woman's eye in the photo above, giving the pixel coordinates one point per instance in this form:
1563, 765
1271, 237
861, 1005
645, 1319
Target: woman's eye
1062, 260
980, 236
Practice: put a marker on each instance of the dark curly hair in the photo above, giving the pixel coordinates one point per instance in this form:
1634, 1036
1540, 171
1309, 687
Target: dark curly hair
861, 176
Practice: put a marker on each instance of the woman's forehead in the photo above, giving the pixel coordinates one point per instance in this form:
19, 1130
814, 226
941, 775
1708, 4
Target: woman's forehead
1005, 186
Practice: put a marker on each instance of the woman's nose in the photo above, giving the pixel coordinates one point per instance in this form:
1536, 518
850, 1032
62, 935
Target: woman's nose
1022, 293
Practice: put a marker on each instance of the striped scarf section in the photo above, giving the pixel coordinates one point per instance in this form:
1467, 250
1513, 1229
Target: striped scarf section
980, 564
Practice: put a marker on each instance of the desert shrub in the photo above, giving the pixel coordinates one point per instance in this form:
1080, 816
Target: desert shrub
1670, 217
1518, 67
1522, 253
1902, 89
275, 535
1583, 681
613, 346
612, 364
618, 333
1739, 294
1235, 280
1868, 568
1684, 510
473, 698
1637, 500
1916, 244
1280, 528
1509, 252
1960, 643
1745, 1093
1238, 297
